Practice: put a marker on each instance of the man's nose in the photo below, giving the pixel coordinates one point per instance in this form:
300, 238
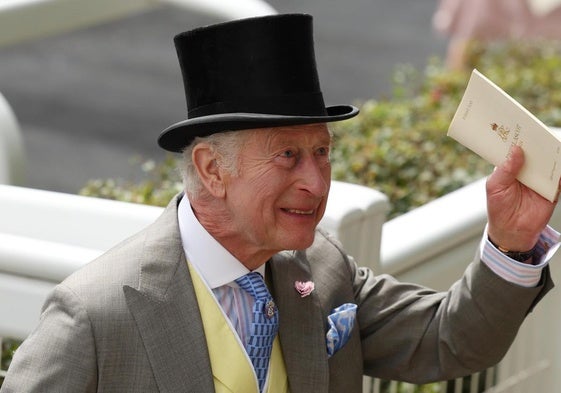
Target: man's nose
314, 176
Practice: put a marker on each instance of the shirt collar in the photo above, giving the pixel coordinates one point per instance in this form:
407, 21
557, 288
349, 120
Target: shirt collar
214, 263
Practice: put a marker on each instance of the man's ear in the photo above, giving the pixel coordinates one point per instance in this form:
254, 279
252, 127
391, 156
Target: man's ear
209, 172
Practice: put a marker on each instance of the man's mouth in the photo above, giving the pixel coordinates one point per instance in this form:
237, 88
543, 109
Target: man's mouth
301, 212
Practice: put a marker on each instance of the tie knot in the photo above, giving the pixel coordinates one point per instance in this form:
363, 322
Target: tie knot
254, 284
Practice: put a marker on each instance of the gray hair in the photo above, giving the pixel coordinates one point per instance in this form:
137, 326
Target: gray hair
227, 147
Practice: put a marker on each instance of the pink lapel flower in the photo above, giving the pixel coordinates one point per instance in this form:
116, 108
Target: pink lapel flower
304, 288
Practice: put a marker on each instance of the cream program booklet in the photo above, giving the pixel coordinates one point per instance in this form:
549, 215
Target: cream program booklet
488, 122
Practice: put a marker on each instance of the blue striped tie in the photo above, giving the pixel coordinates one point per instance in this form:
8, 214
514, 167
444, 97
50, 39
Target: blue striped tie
264, 325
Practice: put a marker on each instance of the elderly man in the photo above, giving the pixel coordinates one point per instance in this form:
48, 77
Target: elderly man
235, 289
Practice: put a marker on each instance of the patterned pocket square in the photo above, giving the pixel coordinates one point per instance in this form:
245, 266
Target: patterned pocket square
341, 322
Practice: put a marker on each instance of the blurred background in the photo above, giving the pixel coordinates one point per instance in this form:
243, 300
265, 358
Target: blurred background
91, 102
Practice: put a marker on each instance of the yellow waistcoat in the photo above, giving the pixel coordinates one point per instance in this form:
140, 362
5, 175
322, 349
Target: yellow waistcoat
232, 370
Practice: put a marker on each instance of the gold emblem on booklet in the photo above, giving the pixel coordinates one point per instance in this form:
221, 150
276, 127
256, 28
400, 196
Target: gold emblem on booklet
501, 131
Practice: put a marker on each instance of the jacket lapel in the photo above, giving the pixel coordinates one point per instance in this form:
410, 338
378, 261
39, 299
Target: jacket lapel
166, 312
301, 327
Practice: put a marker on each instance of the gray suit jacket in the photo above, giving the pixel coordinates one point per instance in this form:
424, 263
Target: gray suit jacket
129, 322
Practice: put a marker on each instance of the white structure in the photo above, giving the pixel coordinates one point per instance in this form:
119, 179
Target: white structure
22, 20
11, 146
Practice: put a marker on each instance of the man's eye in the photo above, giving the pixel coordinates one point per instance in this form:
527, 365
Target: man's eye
288, 154
323, 151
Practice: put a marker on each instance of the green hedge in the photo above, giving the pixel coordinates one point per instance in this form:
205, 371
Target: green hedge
399, 145
8, 348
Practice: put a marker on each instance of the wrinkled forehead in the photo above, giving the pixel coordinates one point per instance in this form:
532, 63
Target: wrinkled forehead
309, 133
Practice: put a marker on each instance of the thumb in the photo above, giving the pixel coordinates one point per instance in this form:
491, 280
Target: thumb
506, 173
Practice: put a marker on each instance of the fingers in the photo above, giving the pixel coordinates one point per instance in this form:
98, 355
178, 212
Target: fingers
514, 162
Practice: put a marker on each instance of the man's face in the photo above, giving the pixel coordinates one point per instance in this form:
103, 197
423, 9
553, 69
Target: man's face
280, 193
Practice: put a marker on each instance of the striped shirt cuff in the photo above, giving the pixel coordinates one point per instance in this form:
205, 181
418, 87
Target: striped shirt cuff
517, 272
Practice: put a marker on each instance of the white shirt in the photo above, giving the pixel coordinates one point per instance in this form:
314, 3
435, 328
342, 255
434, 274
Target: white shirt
218, 270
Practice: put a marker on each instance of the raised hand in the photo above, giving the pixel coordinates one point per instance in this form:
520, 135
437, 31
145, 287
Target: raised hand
516, 213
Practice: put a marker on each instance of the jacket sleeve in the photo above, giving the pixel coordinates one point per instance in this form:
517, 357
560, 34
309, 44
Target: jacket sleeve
414, 334
59, 356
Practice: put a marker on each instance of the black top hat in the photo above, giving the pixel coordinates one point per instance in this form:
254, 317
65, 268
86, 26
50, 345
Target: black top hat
249, 73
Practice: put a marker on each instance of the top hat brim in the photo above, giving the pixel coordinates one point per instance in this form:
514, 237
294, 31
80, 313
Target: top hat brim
179, 135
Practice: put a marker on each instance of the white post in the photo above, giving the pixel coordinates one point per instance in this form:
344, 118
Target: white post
11, 146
